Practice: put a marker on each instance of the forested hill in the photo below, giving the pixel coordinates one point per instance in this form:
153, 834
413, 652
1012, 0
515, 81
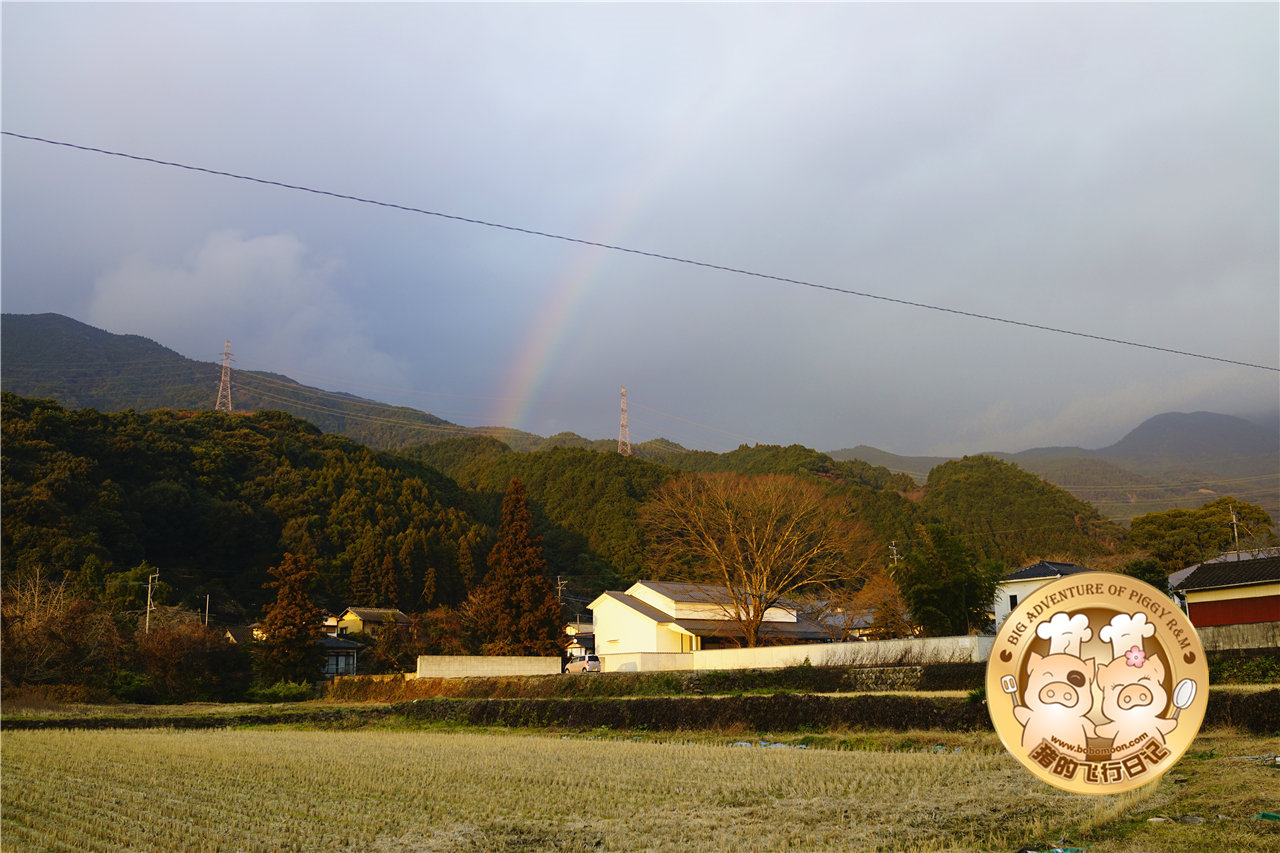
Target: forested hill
1012, 515
213, 500
56, 357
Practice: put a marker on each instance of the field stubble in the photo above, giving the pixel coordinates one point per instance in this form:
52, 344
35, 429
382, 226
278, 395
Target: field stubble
289, 789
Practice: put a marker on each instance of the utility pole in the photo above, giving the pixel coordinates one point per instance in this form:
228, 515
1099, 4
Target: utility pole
893, 550
624, 433
151, 579
224, 387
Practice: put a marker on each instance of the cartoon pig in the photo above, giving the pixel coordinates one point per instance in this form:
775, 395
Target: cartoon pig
1133, 697
1056, 702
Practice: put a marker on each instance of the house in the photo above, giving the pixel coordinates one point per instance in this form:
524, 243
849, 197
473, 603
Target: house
659, 616
364, 620
339, 654
582, 638
1239, 588
1026, 580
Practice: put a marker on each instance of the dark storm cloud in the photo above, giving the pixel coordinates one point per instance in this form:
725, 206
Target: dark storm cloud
1105, 169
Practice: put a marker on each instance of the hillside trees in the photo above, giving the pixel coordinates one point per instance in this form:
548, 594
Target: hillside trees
1010, 515
1182, 537
583, 502
514, 610
212, 499
759, 538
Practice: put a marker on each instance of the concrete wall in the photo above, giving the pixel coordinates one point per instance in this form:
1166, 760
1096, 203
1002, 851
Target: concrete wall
647, 661
1257, 635
466, 666
879, 653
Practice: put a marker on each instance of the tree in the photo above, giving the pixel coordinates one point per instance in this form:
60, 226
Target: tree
1181, 537
52, 637
1148, 570
949, 590
514, 610
188, 662
875, 610
291, 625
760, 539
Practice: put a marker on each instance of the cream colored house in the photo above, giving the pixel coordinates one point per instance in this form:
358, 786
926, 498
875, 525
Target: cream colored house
364, 620
660, 616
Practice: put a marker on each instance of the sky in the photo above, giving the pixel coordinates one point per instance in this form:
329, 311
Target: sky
1107, 170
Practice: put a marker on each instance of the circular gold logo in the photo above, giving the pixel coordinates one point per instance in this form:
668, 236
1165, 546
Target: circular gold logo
1097, 683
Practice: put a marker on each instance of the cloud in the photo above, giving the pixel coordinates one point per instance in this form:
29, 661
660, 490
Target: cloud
278, 305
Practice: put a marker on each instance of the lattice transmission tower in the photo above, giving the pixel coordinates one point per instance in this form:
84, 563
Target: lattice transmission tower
224, 388
624, 434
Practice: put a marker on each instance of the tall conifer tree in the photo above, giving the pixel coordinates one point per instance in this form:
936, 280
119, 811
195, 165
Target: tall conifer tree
291, 625
514, 611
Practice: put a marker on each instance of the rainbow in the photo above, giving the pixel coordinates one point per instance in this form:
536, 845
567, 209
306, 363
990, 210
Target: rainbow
537, 356
540, 350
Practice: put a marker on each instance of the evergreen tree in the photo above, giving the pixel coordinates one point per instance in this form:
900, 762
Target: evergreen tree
291, 625
948, 589
514, 610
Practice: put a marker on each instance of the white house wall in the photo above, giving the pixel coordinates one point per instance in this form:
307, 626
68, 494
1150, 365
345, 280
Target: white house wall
1001, 606
620, 628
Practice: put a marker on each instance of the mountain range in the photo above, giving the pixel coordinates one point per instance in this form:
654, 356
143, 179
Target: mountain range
1170, 460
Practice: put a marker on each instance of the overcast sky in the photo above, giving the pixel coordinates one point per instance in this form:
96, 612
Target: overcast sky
1108, 170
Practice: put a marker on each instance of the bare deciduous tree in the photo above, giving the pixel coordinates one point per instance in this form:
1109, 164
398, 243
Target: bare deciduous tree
760, 538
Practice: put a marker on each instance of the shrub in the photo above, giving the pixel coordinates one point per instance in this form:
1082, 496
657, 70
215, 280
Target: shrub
282, 691
134, 687
1257, 667
1254, 712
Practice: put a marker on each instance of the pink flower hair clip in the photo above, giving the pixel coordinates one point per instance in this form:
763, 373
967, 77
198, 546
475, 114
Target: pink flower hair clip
1135, 656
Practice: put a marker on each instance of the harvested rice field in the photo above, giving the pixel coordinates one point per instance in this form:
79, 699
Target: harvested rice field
382, 790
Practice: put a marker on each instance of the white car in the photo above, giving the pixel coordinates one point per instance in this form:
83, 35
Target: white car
583, 663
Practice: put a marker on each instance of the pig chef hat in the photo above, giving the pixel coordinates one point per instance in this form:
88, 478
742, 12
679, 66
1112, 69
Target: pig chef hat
1126, 633
1065, 633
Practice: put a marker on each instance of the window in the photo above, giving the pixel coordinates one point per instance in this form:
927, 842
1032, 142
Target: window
1013, 601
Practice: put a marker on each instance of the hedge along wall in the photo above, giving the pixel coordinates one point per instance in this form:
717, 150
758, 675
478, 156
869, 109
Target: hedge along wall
780, 712
1257, 712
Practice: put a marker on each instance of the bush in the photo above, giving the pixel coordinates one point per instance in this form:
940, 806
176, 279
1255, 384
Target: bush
134, 687
1244, 667
1254, 712
952, 676
282, 691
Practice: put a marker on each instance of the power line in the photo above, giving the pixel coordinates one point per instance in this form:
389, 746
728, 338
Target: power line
656, 255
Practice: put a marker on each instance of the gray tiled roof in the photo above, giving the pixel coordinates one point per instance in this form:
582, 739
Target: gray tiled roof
701, 593
1258, 570
1046, 569
378, 614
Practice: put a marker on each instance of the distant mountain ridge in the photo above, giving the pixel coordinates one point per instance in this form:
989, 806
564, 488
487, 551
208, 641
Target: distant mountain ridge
49, 355
80, 366
1170, 460
1174, 459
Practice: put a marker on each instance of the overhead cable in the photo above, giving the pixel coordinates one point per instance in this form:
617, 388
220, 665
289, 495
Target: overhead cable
643, 253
